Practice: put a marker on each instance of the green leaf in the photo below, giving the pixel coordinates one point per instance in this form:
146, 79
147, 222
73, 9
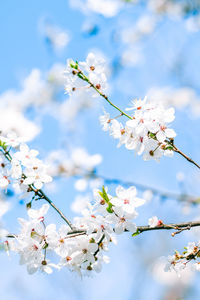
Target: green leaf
109, 209
28, 205
152, 135
3, 145
45, 246
33, 233
169, 148
105, 195
136, 233
74, 65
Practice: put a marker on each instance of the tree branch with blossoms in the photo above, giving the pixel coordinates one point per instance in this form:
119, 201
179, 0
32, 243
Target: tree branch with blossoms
83, 167
80, 245
145, 132
34, 178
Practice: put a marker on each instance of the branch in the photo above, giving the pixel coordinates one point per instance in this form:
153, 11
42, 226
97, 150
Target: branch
172, 226
82, 76
179, 226
186, 157
40, 193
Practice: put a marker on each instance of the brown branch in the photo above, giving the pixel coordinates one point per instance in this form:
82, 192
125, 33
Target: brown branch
40, 193
186, 157
172, 226
82, 76
179, 226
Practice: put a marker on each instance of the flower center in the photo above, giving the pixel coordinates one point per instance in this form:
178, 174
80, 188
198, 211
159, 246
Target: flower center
126, 201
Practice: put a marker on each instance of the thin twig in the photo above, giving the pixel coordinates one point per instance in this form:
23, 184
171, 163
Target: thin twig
81, 75
41, 194
186, 157
178, 226
172, 226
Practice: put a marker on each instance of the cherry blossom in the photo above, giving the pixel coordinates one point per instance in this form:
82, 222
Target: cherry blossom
147, 131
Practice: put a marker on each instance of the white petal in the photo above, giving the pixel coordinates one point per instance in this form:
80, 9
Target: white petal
161, 136
92, 247
170, 133
131, 227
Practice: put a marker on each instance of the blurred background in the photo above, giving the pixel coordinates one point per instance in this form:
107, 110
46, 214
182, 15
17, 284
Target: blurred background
151, 48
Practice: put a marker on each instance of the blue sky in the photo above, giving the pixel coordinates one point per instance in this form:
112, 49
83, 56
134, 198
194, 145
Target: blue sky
169, 48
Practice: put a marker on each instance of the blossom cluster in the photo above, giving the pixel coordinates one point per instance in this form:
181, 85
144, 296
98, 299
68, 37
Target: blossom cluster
94, 68
146, 131
178, 262
82, 249
20, 166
